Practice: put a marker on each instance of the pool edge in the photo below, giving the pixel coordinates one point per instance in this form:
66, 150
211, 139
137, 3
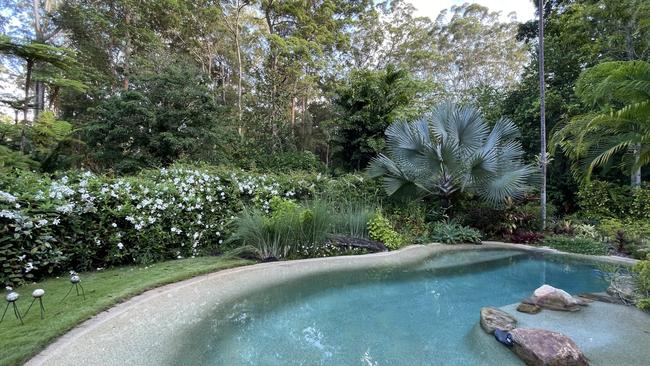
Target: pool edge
409, 254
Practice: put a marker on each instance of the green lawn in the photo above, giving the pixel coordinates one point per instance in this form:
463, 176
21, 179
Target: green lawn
103, 290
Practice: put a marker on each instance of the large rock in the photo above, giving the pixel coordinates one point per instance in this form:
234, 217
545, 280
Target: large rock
549, 297
528, 308
623, 288
493, 318
539, 347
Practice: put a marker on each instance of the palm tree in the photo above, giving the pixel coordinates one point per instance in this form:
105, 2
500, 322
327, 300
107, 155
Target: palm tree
452, 149
621, 125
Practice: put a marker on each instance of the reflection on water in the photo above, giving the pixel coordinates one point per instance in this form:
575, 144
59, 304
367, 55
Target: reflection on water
385, 316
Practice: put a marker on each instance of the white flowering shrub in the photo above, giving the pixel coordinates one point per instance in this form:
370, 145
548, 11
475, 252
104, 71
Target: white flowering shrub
83, 221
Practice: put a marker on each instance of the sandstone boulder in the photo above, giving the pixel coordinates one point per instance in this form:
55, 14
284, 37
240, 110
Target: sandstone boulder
539, 347
528, 308
493, 318
549, 297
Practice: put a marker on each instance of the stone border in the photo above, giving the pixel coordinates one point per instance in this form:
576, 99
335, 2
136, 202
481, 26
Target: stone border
283, 272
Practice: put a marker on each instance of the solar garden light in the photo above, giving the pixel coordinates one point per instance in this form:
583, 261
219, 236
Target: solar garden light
11, 298
38, 295
75, 280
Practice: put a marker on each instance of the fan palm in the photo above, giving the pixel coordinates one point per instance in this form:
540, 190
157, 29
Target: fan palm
621, 92
452, 149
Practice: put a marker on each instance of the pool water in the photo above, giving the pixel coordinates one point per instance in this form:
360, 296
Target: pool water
417, 315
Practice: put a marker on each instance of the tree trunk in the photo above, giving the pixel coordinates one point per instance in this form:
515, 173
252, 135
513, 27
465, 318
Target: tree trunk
239, 76
304, 132
127, 51
28, 81
635, 178
542, 116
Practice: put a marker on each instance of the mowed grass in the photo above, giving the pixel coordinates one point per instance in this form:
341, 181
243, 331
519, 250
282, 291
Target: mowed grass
18, 343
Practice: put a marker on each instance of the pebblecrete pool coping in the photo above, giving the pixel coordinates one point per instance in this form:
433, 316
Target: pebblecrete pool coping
124, 333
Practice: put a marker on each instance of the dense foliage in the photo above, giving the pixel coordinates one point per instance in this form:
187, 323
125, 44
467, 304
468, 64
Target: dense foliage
84, 221
454, 233
577, 245
116, 114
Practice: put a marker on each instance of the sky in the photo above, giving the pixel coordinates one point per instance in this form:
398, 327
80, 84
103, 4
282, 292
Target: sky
525, 9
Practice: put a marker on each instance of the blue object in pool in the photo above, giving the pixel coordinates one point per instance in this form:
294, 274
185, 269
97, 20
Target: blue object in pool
411, 315
503, 337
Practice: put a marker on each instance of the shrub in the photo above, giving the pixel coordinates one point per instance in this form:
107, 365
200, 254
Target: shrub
526, 237
575, 245
293, 160
499, 222
381, 230
454, 233
352, 189
642, 279
409, 219
626, 236
585, 231
600, 200
83, 221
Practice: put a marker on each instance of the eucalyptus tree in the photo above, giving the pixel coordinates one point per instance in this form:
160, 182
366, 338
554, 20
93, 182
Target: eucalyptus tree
452, 149
619, 91
474, 48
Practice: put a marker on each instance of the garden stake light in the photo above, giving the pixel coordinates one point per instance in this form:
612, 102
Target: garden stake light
76, 284
11, 297
38, 295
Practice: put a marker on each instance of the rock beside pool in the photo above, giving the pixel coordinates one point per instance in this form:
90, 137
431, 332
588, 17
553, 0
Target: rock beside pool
549, 297
602, 297
528, 308
493, 318
539, 347
623, 288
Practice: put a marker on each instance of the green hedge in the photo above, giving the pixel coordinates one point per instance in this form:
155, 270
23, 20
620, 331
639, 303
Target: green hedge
82, 221
575, 245
600, 200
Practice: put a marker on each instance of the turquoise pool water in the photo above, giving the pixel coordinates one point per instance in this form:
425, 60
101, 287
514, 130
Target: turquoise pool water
417, 315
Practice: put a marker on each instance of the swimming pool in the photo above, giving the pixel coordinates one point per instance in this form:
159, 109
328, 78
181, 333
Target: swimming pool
417, 314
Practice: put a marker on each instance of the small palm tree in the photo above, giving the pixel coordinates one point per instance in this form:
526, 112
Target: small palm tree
452, 149
620, 126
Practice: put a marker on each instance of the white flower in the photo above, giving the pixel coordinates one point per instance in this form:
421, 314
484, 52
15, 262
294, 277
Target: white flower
41, 222
7, 197
120, 246
114, 225
9, 214
56, 221
29, 266
67, 208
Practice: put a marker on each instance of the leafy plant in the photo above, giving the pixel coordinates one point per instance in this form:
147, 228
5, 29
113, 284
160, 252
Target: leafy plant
381, 230
575, 245
586, 231
621, 92
452, 149
454, 233
526, 237
642, 279
353, 221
